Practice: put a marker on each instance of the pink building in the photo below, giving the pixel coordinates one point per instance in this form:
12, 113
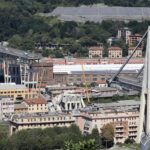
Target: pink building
123, 115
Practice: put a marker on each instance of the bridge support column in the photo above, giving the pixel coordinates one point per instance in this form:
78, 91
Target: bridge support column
144, 124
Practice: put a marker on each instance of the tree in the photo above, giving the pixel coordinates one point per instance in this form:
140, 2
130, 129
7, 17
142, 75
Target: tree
15, 41
96, 136
107, 133
129, 141
82, 145
93, 84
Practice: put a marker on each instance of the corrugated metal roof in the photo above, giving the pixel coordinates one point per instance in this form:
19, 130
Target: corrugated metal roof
95, 68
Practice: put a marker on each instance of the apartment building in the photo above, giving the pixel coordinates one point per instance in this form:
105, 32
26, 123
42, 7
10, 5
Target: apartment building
45, 70
137, 54
114, 52
16, 91
124, 33
96, 51
40, 120
6, 107
133, 40
123, 115
36, 105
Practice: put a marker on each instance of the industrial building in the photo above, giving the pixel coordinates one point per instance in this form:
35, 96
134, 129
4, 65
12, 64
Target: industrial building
73, 74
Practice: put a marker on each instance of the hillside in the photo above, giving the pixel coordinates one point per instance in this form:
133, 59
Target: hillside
23, 28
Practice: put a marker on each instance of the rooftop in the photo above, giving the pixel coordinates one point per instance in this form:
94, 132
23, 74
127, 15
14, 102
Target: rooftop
20, 106
31, 115
108, 68
119, 106
114, 48
132, 48
38, 100
12, 86
96, 48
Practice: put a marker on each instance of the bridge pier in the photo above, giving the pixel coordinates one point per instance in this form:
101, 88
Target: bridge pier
144, 124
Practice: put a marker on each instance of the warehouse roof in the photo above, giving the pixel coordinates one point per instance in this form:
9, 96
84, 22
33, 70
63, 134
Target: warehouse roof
108, 68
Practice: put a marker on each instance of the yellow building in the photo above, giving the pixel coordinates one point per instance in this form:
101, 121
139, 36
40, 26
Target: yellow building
16, 91
36, 105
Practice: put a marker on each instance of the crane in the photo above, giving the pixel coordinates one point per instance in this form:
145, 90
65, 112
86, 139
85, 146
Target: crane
84, 81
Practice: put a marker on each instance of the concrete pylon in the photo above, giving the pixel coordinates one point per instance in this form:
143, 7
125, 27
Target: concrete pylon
144, 124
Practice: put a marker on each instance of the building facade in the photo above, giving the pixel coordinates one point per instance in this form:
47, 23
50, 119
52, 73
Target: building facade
6, 107
45, 71
36, 105
32, 121
124, 33
133, 40
124, 116
114, 52
137, 54
96, 51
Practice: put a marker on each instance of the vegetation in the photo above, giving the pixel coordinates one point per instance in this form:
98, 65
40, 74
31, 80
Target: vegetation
108, 135
24, 28
50, 138
85, 145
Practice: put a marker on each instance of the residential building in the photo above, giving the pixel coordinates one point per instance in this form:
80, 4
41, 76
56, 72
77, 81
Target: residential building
20, 108
123, 115
96, 51
114, 52
137, 54
16, 91
40, 120
133, 40
6, 107
36, 105
124, 33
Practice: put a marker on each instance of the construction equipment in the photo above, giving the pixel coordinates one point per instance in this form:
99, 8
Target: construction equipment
85, 82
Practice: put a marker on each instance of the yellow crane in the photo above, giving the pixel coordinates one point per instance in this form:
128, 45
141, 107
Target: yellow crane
41, 78
85, 82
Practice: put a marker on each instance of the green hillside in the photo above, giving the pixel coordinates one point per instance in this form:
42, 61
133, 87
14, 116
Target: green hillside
23, 28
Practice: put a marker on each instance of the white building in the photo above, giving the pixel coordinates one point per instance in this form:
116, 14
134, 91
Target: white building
6, 107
